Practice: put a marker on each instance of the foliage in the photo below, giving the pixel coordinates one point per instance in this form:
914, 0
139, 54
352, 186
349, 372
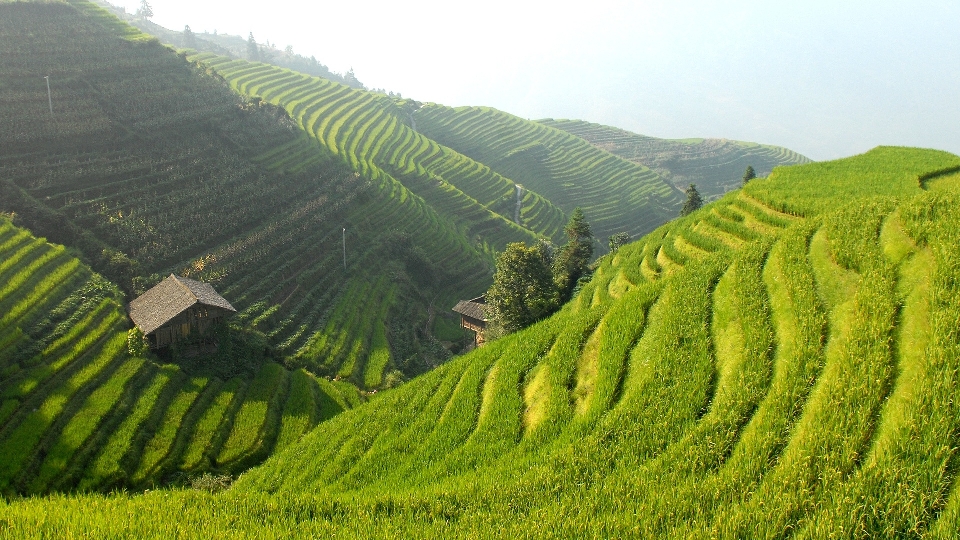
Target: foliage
748, 174
523, 289
101, 180
253, 50
617, 241
572, 261
693, 202
189, 38
785, 366
211, 483
145, 11
783, 362
136, 342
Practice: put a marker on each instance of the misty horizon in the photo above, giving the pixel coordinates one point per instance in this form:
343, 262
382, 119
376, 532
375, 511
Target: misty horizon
824, 80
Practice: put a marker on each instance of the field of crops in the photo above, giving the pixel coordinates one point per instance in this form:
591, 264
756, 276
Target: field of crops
716, 166
79, 412
372, 134
150, 165
782, 362
615, 194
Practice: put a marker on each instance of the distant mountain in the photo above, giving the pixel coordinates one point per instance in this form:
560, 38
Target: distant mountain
616, 195
716, 166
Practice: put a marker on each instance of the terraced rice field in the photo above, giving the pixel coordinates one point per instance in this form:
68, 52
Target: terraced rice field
616, 195
716, 166
745, 371
78, 411
372, 134
737, 371
151, 166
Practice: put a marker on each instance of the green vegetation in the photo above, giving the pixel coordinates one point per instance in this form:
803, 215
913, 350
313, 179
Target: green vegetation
716, 166
532, 282
739, 372
523, 290
619, 196
79, 411
783, 361
693, 202
749, 174
571, 265
372, 134
151, 164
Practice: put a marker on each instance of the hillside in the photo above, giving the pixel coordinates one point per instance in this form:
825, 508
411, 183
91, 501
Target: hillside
615, 194
782, 362
376, 136
716, 166
150, 165
79, 412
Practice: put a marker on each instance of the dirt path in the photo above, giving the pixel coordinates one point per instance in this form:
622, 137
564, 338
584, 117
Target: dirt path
516, 213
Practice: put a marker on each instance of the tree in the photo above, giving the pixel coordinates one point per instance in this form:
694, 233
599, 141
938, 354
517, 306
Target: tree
189, 38
350, 79
573, 260
693, 203
618, 240
136, 342
749, 174
144, 11
253, 50
523, 290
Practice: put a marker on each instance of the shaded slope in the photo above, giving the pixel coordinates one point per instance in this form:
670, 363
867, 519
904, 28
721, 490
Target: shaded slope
716, 166
149, 166
79, 412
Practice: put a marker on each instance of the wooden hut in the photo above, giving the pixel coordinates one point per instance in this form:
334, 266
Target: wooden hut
473, 316
177, 307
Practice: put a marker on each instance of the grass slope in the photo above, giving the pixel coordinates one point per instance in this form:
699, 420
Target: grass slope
79, 412
782, 362
716, 166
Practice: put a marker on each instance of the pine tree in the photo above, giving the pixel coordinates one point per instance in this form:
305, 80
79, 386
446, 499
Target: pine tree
253, 50
693, 203
144, 11
573, 260
749, 174
189, 39
351, 80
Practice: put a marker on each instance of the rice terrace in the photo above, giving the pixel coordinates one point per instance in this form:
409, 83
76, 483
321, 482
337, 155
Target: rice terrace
227, 286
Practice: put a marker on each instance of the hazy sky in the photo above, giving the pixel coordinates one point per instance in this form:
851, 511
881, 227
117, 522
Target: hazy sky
825, 78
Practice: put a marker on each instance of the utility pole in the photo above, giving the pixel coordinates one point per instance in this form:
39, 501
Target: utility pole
344, 248
49, 99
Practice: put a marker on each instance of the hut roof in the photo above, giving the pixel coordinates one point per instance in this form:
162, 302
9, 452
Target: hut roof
171, 297
475, 308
